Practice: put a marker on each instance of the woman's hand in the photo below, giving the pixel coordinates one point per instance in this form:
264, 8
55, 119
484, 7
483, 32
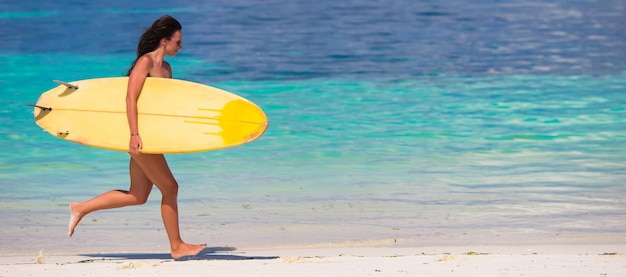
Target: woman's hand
135, 144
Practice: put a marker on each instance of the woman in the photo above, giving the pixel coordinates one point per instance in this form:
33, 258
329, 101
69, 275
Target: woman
163, 38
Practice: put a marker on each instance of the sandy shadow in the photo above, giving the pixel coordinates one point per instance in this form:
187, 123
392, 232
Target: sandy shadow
209, 253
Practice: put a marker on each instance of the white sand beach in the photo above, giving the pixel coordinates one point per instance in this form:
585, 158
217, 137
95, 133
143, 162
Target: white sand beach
527, 260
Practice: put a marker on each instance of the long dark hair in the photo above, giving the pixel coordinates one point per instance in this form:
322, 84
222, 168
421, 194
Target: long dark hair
164, 27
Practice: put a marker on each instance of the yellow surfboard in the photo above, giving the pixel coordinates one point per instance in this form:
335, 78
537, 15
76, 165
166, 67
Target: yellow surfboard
175, 116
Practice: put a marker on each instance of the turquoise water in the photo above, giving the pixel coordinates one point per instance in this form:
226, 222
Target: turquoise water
426, 122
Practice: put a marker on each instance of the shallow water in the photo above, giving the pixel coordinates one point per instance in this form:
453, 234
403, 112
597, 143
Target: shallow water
416, 121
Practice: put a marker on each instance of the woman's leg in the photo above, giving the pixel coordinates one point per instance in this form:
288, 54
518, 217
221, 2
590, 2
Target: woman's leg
140, 187
156, 169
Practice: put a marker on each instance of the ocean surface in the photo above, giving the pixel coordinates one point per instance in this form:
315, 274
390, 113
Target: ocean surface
391, 122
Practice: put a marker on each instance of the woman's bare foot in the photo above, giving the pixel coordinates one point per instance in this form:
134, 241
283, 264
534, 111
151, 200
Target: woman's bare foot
187, 250
75, 217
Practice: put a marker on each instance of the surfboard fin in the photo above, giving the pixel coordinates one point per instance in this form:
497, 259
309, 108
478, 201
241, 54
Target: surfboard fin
45, 109
68, 85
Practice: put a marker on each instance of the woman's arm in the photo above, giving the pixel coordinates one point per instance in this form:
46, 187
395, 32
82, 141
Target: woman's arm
135, 84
